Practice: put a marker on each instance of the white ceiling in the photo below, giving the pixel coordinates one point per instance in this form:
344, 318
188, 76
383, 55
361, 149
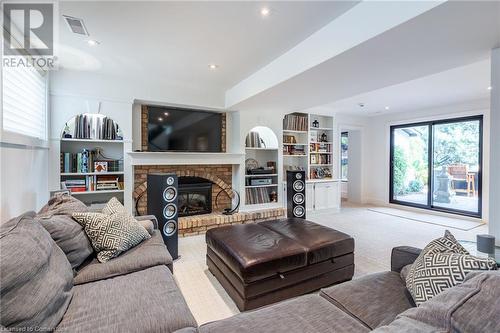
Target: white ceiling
438, 57
454, 34
177, 40
453, 86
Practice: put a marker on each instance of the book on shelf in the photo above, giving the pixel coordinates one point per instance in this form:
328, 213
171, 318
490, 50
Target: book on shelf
293, 122
92, 127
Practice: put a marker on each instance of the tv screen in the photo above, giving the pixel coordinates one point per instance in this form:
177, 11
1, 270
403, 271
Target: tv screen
174, 129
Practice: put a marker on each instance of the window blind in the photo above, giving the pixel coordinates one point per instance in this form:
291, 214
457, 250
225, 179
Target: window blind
25, 102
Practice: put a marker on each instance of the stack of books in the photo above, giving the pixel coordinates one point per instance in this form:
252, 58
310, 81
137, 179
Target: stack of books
108, 183
74, 185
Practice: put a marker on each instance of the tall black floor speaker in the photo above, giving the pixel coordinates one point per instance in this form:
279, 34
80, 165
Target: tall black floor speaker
163, 190
296, 194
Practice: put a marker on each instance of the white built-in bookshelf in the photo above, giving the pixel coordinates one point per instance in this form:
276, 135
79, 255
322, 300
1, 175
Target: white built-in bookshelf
261, 163
91, 164
308, 141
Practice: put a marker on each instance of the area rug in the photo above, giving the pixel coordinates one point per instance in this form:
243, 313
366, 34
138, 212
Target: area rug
448, 222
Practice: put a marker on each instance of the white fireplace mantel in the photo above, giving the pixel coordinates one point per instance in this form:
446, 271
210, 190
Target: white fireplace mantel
177, 158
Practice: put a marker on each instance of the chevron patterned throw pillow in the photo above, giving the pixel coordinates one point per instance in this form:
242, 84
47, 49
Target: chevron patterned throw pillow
442, 264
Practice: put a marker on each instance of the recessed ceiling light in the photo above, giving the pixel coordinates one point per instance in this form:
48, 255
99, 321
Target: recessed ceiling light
213, 66
489, 88
387, 108
166, 114
93, 42
264, 11
160, 119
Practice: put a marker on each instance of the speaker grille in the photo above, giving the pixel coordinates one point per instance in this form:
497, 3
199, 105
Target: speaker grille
169, 211
298, 211
170, 194
170, 228
298, 198
298, 186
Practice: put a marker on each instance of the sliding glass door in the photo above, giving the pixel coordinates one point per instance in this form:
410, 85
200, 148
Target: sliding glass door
437, 165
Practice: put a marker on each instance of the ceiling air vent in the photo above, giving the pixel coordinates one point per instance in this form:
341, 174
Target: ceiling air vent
76, 25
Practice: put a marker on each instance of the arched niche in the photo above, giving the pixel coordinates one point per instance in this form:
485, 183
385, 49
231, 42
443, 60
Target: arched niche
261, 137
261, 167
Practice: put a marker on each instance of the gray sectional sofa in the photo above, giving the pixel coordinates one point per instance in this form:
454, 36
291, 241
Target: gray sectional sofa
136, 292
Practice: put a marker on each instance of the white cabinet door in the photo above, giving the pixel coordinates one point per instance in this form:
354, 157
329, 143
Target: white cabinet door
326, 195
309, 196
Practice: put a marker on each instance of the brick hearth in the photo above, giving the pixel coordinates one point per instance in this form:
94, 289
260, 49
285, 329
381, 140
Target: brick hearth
199, 224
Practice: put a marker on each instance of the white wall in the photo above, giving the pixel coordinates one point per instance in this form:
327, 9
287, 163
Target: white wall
88, 84
376, 147
23, 182
494, 217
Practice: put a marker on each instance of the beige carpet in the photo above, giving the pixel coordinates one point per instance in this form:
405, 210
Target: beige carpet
375, 235
454, 223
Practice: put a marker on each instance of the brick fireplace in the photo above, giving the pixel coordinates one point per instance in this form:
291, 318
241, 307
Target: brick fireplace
219, 175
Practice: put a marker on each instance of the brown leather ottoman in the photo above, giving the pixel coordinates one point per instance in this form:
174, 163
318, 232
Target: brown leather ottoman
262, 263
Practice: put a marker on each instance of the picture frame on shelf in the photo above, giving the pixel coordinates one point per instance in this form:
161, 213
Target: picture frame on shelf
101, 166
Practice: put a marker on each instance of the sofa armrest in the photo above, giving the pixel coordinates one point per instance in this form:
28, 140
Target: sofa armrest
402, 256
152, 218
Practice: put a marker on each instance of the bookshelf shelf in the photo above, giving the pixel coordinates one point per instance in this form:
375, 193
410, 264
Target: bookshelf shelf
294, 131
256, 186
262, 175
259, 148
97, 192
321, 129
67, 174
285, 155
91, 140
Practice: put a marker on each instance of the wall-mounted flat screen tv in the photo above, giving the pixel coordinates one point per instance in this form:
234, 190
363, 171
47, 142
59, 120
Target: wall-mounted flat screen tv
184, 130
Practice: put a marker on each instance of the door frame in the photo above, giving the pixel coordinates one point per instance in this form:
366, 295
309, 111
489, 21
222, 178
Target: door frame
429, 205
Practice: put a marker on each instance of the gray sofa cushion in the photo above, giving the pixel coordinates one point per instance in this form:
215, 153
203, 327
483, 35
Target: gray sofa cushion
144, 301
36, 279
469, 307
375, 299
309, 313
149, 253
69, 236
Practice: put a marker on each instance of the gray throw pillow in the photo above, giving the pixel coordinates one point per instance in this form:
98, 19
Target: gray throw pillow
62, 204
36, 279
69, 235
442, 264
111, 234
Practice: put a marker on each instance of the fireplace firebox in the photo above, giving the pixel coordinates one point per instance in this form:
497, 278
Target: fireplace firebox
195, 196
